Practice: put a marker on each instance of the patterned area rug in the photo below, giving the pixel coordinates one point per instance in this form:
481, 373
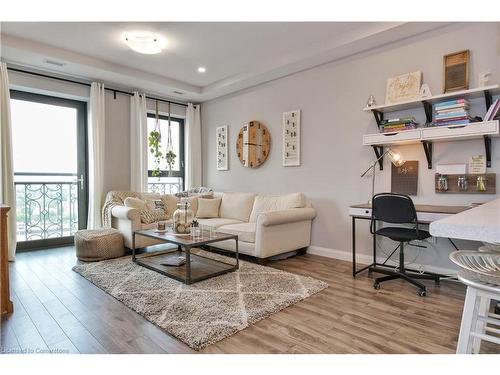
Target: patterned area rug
205, 312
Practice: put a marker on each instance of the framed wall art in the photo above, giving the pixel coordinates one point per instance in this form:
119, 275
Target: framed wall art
456, 71
403, 88
291, 138
222, 156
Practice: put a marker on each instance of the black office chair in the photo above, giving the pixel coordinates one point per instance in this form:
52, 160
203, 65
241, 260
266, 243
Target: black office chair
398, 209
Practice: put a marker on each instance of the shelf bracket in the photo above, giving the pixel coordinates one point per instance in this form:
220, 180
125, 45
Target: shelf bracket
487, 99
379, 116
428, 152
379, 151
487, 149
428, 111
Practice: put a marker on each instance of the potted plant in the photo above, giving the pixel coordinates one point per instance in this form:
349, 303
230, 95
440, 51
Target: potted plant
155, 149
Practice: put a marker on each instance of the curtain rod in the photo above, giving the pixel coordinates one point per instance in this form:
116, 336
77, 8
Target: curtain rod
88, 85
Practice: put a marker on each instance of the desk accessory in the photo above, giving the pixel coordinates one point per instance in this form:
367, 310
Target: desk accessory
465, 183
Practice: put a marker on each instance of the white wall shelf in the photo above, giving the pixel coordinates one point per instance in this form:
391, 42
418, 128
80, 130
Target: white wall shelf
428, 135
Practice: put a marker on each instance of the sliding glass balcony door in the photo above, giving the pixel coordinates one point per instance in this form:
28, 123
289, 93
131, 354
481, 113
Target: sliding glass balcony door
50, 168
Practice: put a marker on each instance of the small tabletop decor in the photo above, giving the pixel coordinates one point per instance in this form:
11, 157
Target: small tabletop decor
183, 217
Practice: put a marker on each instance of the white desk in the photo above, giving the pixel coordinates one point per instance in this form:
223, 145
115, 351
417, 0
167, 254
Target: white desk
481, 223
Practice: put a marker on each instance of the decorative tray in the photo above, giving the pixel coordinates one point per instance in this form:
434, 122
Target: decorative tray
486, 264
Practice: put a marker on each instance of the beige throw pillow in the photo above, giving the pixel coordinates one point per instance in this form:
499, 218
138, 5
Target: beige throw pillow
136, 203
208, 208
236, 206
267, 203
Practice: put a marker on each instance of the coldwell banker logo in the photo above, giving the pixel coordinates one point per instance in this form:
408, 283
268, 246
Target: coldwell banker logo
28, 350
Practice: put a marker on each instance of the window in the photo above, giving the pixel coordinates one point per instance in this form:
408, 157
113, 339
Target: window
168, 182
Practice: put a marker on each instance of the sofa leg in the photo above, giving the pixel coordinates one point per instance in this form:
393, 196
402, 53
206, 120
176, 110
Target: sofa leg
302, 251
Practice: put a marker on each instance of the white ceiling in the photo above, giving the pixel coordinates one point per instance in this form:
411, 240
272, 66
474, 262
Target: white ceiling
236, 55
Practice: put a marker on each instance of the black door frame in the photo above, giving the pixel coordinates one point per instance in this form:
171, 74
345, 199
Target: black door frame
82, 163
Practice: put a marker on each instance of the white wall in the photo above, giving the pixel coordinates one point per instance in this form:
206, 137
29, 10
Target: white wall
331, 98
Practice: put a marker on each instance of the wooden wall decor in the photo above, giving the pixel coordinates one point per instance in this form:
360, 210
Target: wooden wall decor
291, 138
222, 155
253, 144
6, 306
488, 186
456, 71
404, 179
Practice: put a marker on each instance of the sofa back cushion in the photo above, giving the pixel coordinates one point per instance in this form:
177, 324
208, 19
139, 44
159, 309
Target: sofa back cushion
236, 206
266, 203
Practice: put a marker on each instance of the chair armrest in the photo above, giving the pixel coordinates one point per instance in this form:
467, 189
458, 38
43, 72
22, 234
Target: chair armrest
291, 215
126, 213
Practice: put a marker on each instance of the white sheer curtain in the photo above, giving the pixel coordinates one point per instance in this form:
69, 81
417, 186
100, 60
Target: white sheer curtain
96, 154
193, 146
7, 190
138, 142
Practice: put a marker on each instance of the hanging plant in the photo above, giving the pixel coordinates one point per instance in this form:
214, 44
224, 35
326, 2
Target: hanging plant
154, 141
170, 156
155, 149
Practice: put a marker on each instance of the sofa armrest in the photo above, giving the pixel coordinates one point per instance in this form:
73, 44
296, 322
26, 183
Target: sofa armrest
291, 215
126, 213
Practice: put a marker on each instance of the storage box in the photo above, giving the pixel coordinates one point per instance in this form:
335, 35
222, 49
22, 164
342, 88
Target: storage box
451, 168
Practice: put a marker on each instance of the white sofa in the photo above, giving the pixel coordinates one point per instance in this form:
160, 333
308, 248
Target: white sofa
266, 225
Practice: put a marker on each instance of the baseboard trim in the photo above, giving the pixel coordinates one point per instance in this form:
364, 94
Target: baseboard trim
367, 259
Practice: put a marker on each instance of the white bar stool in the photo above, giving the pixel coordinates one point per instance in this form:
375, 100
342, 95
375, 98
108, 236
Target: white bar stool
476, 316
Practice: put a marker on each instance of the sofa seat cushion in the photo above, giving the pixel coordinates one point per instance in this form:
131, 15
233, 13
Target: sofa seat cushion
236, 206
217, 222
244, 231
267, 203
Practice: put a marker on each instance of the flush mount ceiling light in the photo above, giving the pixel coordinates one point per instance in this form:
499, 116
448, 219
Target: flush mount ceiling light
144, 42
202, 69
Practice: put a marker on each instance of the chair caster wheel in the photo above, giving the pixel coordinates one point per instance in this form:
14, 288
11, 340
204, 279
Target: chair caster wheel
422, 292
376, 286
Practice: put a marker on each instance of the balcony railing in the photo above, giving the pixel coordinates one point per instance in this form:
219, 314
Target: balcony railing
168, 185
46, 208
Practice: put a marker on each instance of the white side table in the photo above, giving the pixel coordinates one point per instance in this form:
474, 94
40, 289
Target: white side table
476, 318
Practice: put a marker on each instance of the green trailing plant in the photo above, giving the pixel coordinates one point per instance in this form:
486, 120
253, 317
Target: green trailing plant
155, 149
195, 223
170, 157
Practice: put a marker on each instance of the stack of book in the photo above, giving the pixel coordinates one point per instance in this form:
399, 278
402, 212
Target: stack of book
398, 124
453, 112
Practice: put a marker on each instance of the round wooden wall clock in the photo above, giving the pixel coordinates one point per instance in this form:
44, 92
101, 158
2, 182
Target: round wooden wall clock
253, 145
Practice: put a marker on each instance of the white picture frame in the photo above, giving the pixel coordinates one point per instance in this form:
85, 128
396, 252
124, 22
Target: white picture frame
291, 138
221, 137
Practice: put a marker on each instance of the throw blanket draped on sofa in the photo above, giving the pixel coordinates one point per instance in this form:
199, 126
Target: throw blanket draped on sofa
114, 198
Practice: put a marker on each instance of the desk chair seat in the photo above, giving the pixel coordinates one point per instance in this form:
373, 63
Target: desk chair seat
398, 209
403, 234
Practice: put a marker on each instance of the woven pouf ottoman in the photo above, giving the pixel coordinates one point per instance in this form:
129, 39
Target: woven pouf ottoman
98, 244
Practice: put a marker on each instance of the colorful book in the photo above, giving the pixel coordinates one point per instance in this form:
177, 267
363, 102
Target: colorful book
450, 102
492, 111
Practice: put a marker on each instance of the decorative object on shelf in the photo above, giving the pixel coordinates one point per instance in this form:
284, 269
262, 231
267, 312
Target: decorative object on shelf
457, 168
466, 183
183, 218
291, 138
456, 71
484, 78
477, 164
253, 144
170, 156
371, 101
154, 142
425, 91
442, 184
404, 178
492, 112
222, 156
395, 158
403, 88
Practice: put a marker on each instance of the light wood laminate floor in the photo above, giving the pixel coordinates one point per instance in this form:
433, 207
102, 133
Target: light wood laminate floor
57, 309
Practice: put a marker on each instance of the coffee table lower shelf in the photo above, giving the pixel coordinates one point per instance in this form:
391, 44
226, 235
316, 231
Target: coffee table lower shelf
201, 268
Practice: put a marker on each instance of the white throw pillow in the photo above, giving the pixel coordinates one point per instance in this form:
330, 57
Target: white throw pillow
208, 208
136, 203
236, 206
267, 203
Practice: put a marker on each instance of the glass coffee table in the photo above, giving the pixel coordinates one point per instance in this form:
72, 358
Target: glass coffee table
197, 267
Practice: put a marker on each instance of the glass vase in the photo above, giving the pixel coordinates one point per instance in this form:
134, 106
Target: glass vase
183, 217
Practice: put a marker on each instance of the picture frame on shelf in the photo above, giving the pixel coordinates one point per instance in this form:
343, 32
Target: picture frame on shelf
222, 155
456, 71
291, 138
404, 87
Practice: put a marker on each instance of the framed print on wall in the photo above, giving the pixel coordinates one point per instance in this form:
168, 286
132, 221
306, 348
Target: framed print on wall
291, 138
222, 156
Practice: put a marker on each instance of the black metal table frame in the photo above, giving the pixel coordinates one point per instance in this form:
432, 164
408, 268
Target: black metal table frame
374, 262
187, 250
